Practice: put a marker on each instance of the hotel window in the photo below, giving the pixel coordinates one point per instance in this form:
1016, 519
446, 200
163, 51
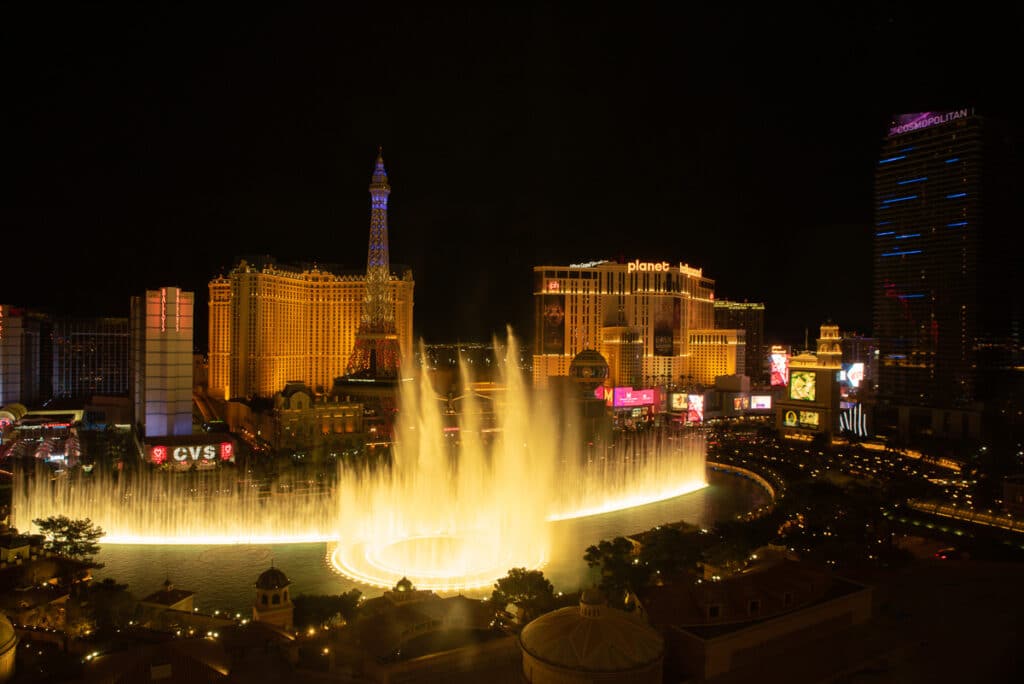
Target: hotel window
714, 611
754, 606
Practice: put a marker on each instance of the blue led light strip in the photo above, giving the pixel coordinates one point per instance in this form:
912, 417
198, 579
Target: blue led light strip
956, 224
892, 159
912, 251
956, 195
907, 235
953, 159
900, 199
888, 232
912, 180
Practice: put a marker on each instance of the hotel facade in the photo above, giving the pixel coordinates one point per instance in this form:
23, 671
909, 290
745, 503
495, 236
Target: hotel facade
160, 384
271, 324
639, 315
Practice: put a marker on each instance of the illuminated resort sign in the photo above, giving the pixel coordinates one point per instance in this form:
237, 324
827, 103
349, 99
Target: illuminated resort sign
627, 396
760, 402
648, 266
637, 266
906, 123
802, 385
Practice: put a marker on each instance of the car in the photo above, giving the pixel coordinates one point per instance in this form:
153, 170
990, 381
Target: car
951, 553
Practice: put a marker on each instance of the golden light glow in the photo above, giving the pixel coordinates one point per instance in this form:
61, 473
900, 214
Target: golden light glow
454, 511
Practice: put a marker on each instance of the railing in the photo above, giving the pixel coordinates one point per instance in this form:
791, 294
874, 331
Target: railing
1001, 520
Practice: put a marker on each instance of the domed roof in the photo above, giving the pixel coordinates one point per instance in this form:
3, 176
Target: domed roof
589, 358
8, 637
272, 578
592, 637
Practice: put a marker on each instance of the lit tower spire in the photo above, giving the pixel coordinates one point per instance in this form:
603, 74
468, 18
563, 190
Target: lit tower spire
376, 350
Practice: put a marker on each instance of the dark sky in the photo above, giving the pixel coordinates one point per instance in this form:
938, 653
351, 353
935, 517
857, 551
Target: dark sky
153, 145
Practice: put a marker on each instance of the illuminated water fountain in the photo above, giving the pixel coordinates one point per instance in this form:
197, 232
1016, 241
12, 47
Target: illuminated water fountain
448, 516
455, 510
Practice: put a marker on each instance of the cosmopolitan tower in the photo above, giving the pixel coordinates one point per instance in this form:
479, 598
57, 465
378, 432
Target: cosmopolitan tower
946, 245
377, 353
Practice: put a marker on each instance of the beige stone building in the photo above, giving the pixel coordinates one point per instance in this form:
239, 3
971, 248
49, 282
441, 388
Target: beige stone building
638, 315
271, 324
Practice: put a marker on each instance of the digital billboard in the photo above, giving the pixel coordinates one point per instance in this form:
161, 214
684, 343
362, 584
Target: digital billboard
853, 420
802, 386
779, 363
695, 408
802, 419
553, 324
664, 333
677, 402
809, 419
740, 403
627, 396
760, 401
854, 373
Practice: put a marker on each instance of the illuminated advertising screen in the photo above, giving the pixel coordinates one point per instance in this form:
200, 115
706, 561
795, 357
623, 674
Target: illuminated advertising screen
677, 402
779, 362
760, 401
627, 396
553, 323
664, 333
789, 418
809, 419
801, 385
188, 454
854, 373
695, 409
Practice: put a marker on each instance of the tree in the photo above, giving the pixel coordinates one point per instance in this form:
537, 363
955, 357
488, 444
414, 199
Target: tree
317, 610
529, 590
668, 550
73, 538
621, 570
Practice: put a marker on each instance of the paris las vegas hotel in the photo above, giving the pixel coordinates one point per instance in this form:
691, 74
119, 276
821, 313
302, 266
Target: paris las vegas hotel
273, 324
654, 323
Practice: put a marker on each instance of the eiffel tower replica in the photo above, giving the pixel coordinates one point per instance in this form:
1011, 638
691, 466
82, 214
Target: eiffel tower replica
376, 355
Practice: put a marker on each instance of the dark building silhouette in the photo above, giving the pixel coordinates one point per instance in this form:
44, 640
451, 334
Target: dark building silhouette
944, 246
749, 317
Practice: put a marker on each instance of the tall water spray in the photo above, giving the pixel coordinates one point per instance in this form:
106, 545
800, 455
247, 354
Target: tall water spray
457, 507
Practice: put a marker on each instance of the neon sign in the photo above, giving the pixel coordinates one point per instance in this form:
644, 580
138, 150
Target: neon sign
627, 396
914, 122
196, 452
648, 266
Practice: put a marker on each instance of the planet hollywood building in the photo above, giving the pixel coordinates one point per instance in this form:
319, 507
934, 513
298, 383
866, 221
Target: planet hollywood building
640, 315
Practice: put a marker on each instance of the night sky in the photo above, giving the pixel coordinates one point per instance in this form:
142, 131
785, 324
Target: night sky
151, 146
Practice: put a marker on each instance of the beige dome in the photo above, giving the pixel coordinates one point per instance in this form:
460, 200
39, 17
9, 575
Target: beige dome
592, 638
8, 642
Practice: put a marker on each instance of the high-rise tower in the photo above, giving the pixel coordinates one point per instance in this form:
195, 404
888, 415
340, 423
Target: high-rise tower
945, 245
377, 352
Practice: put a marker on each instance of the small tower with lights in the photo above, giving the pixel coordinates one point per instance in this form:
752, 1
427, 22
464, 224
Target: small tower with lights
273, 603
